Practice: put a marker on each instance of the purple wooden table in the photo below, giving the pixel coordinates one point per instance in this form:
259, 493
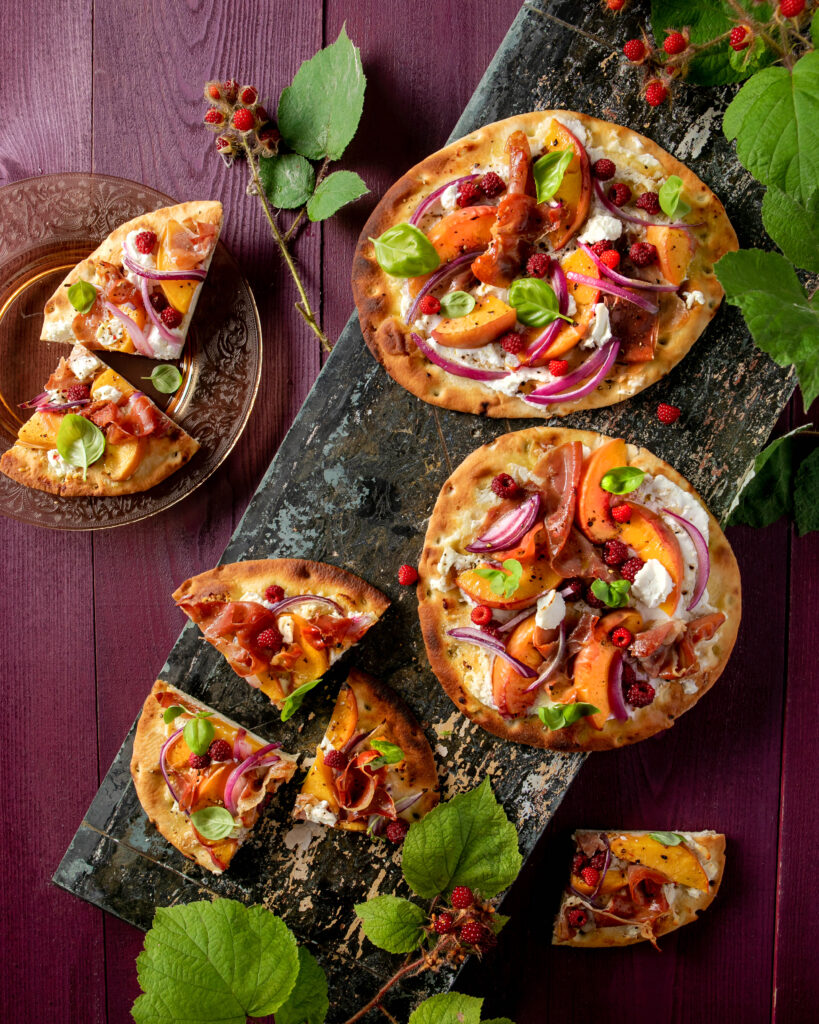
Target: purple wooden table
121, 94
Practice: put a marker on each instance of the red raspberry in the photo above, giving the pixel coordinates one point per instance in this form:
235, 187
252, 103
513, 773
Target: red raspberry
214, 116
604, 169
243, 120
538, 265
621, 513
558, 367
621, 637
675, 43
629, 569
482, 615
656, 93
493, 632
571, 590
170, 317
77, 392
336, 759
600, 247
642, 254
598, 860
791, 8
635, 50
407, 575
504, 486
220, 750
615, 5
592, 599
429, 305
512, 343
158, 301
640, 695
611, 259
274, 594
468, 192
492, 184
615, 552
740, 38
472, 933
591, 876
461, 897
579, 862
270, 639
576, 917
199, 761
650, 202
397, 831
619, 194
629, 676
145, 242
213, 91
230, 88
668, 413
248, 95
443, 923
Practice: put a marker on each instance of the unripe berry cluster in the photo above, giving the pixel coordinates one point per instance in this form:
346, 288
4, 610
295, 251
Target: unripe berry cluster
239, 120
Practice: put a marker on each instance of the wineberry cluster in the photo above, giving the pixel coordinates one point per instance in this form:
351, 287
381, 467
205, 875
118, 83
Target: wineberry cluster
239, 120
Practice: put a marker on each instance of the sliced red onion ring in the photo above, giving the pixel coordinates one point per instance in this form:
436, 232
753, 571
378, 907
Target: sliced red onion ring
407, 802
48, 407
156, 320
547, 672
616, 700
152, 274
248, 763
421, 209
288, 602
141, 343
602, 361
241, 747
507, 627
613, 289
354, 742
458, 369
489, 643
162, 754
628, 282
544, 341
438, 277
703, 558
509, 529
376, 823
631, 219
603, 870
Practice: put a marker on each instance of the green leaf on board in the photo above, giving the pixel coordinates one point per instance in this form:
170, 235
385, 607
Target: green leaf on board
288, 180
767, 493
392, 923
308, 1002
293, 701
794, 226
335, 191
806, 496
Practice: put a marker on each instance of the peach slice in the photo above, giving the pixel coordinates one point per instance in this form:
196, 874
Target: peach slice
111, 379
311, 664
41, 430
466, 230
509, 688
575, 189
211, 789
121, 461
345, 719
593, 516
488, 320
651, 537
318, 782
178, 293
592, 668
612, 881
536, 579
675, 250
586, 299
527, 548
678, 863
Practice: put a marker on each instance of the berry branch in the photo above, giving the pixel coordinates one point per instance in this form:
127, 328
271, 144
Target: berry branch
375, 1003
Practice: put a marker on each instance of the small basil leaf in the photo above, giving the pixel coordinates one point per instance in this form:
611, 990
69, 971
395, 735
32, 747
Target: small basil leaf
504, 584
390, 753
559, 716
79, 441
535, 302
622, 479
81, 295
667, 838
198, 733
405, 251
172, 712
670, 196
549, 171
456, 304
294, 700
213, 822
614, 594
165, 378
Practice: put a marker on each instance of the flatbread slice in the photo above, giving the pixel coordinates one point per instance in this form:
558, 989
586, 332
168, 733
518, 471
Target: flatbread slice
191, 800
574, 682
142, 447
353, 788
150, 316
628, 887
281, 622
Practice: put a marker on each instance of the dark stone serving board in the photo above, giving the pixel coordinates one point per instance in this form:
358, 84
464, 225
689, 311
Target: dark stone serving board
354, 483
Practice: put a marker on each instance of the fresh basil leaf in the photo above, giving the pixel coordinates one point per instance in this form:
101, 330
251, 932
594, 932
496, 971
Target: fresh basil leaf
794, 226
667, 838
293, 701
288, 180
198, 733
549, 170
214, 961
448, 1008
614, 594
390, 753
455, 304
767, 492
335, 191
392, 923
559, 716
165, 378
622, 480
405, 251
308, 1003
806, 495
466, 841
670, 196
172, 712
213, 822
79, 441
319, 111
782, 320
81, 295
535, 302
504, 584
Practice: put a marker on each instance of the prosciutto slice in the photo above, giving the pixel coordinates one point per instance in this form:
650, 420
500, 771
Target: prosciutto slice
560, 470
651, 640
579, 557
139, 417
360, 789
330, 631
239, 624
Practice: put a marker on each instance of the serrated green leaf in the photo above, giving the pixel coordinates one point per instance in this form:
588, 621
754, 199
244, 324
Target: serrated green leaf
794, 226
449, 1008
288, 180
214, 961
768, 493
775, 120
782, 320
499, 922
308, 1002
806, 495
814, 29
319, 112
335, 191
466, 841
392, 923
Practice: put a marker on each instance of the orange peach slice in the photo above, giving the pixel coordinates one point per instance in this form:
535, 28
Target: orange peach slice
586, 299
488, 320
41, 430
121, 461
178, 293
675, 250
466, 230
612, 881
111, 379
536, 579
509, 688
311, 664
344, 721
592, 669
678, 863
651, 537
592, 513
575, 189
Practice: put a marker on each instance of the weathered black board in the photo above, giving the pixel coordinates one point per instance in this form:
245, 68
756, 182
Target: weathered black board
354, 482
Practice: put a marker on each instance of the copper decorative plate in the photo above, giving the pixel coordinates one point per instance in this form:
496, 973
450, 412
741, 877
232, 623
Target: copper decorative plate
49, 224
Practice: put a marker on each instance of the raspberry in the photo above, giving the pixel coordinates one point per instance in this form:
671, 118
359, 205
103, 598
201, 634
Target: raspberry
407, 575
397, 831
611, 259
492, 184
270, 638
635, 50
220, 750
615, 552
336, 759
243, 120
248, 95
656, 93
443, 923
591, 876
77, 392
571, 590
619, 194
158, 301
603, 169
461, 897
791, 8
629, 676
675, 43
493, 632
170, 317
145, 242
615, 5
468, 192
214, 116
512, 343
230, 88
740, 38
668, 413
600, 247
482, 615
621, 514
621, 637
642, 254
472, 933
558, 367
650, 202
579, 862
576, 917
429, 305
213, 91
598, 860
592, 599
629, 569
538, 265
199, 761
274, 594
640, 695
504, 486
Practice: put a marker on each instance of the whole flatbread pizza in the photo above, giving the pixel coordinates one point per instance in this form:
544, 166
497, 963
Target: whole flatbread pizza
575, 592
543, 264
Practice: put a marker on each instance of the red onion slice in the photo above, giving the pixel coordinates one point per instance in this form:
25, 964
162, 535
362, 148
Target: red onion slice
631, 219
407, 802
439, 276
248, 763
354, 742
628, 282
156, 320
288, 602
162, 754
507, 627
544, 341
141, 343
48, 407
548, 672
241, 747
703, 557
603, 361
457, 369
152, 274
489, 643
616, 701
613, 289
421, 209
509, 529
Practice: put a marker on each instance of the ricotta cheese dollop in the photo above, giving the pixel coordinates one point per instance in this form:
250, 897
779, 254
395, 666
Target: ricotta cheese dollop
601, 227
551, 610
652, 584
600, 331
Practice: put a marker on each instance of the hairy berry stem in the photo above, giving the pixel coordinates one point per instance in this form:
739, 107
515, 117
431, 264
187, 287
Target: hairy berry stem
374, 1003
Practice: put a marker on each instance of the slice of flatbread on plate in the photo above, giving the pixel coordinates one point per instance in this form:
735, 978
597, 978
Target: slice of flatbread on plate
627, 887
138, 290
202, 779
132, 447
281, 622
374, 765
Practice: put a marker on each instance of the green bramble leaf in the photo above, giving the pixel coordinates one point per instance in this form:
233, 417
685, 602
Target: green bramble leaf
794, 226
782, 320
293, 701
214, 961
405, 251
535, 302
198, 733
622, 479
806, 496
499, 922
667, 838
767, 493
288, 180
172, 712
559, 716
499, 1020
614, 594
213, 822
814, 29
308, 1002
81, 295
449, 1008
670, 197
335, 191
392, 923
752, 58
466, 841
79, 441
503, 582
455, 304
319, 112
549, 170
165, 378
391, 753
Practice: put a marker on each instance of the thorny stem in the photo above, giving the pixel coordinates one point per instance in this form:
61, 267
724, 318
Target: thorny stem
388, 1015
375, 1002
303, 211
